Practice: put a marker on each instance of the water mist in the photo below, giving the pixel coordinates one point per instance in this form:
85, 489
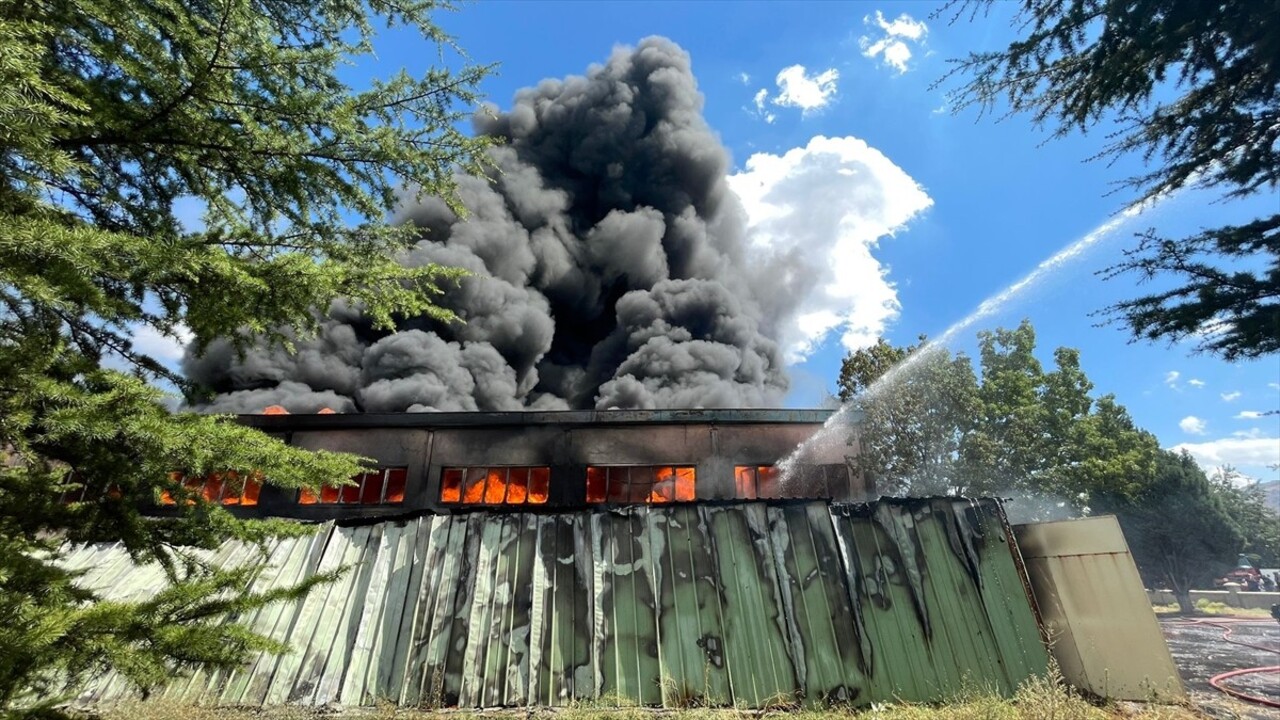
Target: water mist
832, 442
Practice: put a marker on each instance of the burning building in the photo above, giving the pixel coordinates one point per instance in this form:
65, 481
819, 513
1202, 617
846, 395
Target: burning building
541, 525
552, 461
651, 557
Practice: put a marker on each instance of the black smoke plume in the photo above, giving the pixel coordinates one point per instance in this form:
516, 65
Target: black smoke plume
608, 270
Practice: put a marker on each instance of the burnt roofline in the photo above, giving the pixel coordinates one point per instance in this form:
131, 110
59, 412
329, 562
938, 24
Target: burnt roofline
340, 421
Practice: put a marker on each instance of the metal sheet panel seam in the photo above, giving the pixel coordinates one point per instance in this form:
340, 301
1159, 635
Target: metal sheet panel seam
732, 604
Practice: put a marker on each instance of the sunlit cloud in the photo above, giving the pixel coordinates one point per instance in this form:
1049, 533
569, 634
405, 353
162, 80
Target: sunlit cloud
893, 41
1192, 425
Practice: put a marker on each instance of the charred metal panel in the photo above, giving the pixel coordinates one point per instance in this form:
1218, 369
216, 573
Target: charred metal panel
497, 446
733, 604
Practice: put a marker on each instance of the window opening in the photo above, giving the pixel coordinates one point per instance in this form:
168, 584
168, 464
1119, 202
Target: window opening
502, 485
756, 482
384, 486
641, 484
225, 488
81, 491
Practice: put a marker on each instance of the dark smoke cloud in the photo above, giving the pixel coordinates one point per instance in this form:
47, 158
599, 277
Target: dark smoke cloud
608, 270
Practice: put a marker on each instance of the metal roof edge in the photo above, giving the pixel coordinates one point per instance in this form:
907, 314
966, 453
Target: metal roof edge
343, 421
847, 509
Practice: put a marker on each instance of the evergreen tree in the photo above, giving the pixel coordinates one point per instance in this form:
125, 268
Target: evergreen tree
112, 111
1178, 528
1077, 62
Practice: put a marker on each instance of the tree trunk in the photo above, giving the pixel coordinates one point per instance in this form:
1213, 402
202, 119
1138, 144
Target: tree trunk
1183, 596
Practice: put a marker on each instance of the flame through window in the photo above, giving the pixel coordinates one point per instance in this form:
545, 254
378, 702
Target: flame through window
641, 483
384, 486
756, 481
495, 485
226, 488
78, 490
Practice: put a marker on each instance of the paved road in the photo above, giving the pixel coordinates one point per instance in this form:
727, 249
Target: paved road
1201, 652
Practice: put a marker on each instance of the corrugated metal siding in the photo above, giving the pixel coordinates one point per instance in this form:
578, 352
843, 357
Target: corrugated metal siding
744, 604
1105, 636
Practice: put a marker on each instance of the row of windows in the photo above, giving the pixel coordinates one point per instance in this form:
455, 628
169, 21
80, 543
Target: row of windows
384, 486
225, 488
641, 484
756, 481
504, 485
495, 485
614, 484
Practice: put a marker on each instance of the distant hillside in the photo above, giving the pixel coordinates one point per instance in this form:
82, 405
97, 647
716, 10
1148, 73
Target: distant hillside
1272, 492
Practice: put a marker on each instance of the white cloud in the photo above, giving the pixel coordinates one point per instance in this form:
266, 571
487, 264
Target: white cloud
1234, 451
1196, 382
1236, 477
149, 341
1171, 379
797, 88
892, 40
815, 214
1248, 415
1192, 425
759, 100
1274, 386
1210, 329
1230, 396
1250, 433
744, 78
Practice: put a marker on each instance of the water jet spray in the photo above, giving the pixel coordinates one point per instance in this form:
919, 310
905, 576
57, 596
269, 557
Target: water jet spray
835, 437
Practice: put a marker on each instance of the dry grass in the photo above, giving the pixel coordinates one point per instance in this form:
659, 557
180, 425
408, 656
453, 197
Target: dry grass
1038, 699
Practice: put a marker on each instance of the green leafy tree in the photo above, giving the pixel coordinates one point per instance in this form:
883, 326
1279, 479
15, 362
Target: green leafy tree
910, 429
1105, 455
1178, 528
112, 111
1195, 90
1257, 523
931, 426
1005, 451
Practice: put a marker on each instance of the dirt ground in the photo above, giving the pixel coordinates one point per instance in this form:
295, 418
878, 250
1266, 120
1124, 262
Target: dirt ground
1201, 652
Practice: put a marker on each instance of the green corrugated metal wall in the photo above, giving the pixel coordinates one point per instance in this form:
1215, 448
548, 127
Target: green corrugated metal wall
745, 604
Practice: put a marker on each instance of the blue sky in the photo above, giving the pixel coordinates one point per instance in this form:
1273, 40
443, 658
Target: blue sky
1002, 195
963, 205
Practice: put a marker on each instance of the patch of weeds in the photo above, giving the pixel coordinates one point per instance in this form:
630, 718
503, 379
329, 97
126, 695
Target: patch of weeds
1212, 607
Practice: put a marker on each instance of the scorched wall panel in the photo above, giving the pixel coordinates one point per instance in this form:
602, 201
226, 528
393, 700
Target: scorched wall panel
736, 604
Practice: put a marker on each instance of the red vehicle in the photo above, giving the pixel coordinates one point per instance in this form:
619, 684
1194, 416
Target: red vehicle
1243, 573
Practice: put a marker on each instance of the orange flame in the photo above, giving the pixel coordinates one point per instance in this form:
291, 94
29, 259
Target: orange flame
474, 492
451, 485
539, 485
686, 477
495, 489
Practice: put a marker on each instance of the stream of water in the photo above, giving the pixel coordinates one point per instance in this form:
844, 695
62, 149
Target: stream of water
834, 436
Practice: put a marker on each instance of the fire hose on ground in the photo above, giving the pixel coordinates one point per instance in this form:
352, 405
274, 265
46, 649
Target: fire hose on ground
1218, 681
